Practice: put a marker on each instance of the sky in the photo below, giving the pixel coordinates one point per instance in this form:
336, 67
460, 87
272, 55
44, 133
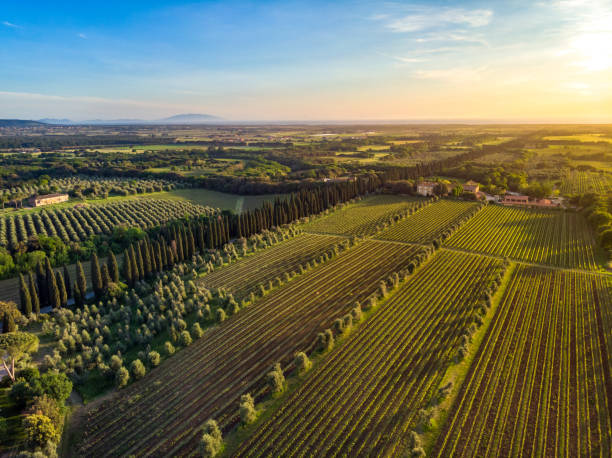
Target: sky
548, 61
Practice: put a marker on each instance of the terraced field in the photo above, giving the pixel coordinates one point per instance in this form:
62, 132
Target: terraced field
162, 414
245, 275
431, 222
540, 383
557, 238
364, 217
363, 399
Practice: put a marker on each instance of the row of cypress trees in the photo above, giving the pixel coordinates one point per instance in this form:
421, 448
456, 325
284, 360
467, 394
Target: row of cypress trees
179, 241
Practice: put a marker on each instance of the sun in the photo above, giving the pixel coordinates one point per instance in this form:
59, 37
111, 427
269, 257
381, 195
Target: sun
593, 50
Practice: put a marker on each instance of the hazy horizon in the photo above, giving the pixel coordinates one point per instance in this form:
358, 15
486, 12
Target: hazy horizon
363, 61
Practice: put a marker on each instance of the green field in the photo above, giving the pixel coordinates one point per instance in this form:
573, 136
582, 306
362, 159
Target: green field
552, 237
580, 138
364, 217
539, 381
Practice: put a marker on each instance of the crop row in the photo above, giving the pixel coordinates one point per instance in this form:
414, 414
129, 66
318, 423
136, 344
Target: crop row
579, 182
432, 222
539, 384
366, 395
162, 415
266, 265
81, 222
555, 238
366, 216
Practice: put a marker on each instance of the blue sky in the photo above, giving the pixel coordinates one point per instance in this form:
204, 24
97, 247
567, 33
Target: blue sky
289, 60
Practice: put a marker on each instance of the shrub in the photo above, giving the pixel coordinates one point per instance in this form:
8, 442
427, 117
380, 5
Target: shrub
154, 358
115, 362
137, 369
325, 340
338, 326
122, 377
185, 339
169, 348
196, 331
276, 379
39, 430
211, 441
247, 410
302, 362
220, 315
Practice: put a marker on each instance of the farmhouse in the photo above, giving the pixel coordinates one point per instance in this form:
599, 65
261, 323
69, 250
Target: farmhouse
471, 186
39, 201
426, 188
524, 200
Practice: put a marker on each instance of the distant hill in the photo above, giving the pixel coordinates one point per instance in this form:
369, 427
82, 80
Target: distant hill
19, 123
189, 118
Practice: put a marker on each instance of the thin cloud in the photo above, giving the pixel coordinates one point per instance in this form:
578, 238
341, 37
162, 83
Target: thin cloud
10, 24
82, 35
427, 19
451, 74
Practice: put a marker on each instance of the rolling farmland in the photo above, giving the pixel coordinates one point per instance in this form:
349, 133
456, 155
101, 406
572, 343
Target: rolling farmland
364, 217
263, 266
540, 382
549, 237
363, 399
431, 222
162, 414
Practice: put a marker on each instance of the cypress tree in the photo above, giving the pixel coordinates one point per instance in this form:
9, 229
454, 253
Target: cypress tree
209, 240
146, 258
81, 281
140, 261
113, 268
61, 285
41, 280
8, 323
96, 275
127, 268
190, 243
106, 280
24, 295
78, 296
67, 283
134, 264
180, 254
34, 295
55, 300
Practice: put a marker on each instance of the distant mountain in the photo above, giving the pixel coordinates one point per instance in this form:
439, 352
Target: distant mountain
55, 121
19, 123
190, 118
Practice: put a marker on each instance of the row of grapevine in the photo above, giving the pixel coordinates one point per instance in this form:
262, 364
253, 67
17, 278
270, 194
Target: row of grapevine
557, 238
434, 222
206, 380
275, 262
78, 223
540, 382
367, 395
582, 182
366, 216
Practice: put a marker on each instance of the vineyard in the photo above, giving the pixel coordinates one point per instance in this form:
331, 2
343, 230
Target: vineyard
364, 217
162, 415
366, 396
540, 382
579, 182
82, 222
267, 265
431, 223
561, 239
